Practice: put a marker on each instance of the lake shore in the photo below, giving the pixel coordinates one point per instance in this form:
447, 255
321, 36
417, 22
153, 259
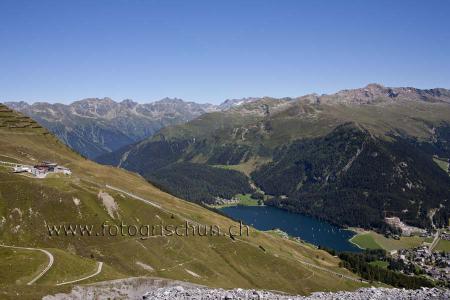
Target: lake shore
307, 228
243, 200
368, 239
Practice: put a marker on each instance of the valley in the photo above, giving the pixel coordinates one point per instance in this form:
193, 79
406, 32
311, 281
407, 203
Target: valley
94, 127
224, 150
298, 171
349, 157
28, 205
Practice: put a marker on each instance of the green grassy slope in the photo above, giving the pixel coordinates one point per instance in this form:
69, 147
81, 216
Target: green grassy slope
442, 163
22, 265
443, 245
398, 132
373, 240
28, 204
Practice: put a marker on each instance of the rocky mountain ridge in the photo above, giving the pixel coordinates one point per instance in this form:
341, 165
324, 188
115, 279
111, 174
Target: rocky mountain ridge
33, 209
373, 94
311, 154
95, 126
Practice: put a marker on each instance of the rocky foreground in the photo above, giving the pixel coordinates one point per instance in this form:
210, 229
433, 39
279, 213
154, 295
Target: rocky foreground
179, 293
164, 289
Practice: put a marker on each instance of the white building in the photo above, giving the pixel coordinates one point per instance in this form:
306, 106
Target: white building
21, 169
64, 170
42, 170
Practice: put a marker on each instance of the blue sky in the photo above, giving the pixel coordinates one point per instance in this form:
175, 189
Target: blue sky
208, 51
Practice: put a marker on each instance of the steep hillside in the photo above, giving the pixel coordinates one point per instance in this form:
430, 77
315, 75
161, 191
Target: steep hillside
96, 195
351, 178
300, 154
93, 127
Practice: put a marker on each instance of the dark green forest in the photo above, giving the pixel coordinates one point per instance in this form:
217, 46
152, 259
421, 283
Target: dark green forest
360, 263
350, 178
200, 183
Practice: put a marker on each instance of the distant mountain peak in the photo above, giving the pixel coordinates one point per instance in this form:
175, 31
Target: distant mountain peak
95, 126
168, 100
375, 86
95, 100
128, 101
229, 103
374, 93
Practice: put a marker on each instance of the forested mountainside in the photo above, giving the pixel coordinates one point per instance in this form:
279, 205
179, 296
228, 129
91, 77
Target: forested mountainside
94, 195
348, 157
93, 127
351, 178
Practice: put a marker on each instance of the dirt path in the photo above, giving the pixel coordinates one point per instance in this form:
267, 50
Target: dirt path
99, 270
152, 204
332, 272
7, 163
240, 240
314, 266
133, 196
50, 263
435, 241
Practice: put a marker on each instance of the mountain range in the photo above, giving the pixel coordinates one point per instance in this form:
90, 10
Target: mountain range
35, 263
97, 126
94, 127
307, 154
351, 157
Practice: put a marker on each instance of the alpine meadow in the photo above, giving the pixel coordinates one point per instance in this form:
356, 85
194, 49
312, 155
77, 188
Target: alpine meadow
224, 150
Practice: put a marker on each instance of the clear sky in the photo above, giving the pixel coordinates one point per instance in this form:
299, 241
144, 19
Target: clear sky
208, 51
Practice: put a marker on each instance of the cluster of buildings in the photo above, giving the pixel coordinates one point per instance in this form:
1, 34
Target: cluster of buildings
445, 236
434, 264
406, 230
223, 201
41, 170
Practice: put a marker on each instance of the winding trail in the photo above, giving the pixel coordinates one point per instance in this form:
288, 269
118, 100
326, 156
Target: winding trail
332, 272
7, 163
314, 266
237, 239
50, 263
133, 196
99, 270
152, 204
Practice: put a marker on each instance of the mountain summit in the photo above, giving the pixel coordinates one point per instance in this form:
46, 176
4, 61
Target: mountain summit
96, 126
347, 157
94, 195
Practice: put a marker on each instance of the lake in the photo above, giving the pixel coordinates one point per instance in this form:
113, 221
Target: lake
307, 228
